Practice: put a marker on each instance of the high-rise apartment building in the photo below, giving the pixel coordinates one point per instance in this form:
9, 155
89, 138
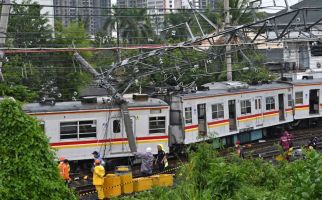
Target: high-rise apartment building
90, 12
131, 3
201, 4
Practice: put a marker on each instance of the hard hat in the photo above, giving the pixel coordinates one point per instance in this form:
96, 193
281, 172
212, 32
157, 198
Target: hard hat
62, 159
148, 150
237, 142
97, 161
95, 153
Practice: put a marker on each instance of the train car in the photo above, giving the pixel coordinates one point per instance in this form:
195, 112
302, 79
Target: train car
307, 98
229, 109
77, 128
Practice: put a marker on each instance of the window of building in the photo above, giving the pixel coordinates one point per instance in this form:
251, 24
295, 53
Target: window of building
157, 125
289, 100
217, 111
245, 106
270, 103
298, 97
116, 126
78, 129
188, 115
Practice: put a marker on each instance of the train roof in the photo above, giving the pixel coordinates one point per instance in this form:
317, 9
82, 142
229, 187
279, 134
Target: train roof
79, 106
307, 82
222, 89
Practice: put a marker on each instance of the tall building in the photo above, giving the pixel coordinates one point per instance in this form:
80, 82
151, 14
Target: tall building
90, 12
131, 3
200, 4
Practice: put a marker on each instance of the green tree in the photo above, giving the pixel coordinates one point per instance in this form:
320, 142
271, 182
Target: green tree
27, 166
173, 19
27, 27
66, 74
132, 25
19, 92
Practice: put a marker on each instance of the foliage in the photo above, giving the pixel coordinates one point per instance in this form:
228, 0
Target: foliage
208, 176
132, 25
19, 92
27, 27
27, 166
239, 11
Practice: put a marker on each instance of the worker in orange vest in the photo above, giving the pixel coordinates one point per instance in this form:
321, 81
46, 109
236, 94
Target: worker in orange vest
64, 169
98, 178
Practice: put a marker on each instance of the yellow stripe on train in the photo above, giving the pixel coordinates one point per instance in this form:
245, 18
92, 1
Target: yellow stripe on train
106, 144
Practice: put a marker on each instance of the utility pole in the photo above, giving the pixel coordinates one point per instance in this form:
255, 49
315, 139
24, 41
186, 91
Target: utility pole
287, 6
3, 31
228, 47
118, 41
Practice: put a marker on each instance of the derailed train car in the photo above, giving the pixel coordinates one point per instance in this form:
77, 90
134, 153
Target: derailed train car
76, 129
227, 110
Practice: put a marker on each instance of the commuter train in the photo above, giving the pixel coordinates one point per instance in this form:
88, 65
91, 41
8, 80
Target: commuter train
227, 110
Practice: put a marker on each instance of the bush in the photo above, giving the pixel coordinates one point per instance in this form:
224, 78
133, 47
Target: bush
208, 176
27, 166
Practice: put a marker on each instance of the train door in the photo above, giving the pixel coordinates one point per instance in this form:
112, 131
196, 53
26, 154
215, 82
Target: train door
281, 107
202, 119
117, 139
258, 111
232, 115
314, 101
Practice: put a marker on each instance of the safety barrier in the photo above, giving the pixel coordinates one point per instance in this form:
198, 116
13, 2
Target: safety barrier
165, 181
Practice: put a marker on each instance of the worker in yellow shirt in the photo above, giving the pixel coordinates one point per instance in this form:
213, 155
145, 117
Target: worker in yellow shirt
98, 178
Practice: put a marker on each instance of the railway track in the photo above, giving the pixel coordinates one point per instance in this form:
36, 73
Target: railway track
266, 150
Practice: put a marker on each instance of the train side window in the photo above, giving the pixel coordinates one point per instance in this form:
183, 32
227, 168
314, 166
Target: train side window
78, 129
298, 97
116, 126
157, 125
245, 106
217, 111
87, 129
188, 115
68, 130
270, 103
289, 100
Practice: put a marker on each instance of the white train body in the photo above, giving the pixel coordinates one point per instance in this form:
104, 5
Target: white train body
227, 110
307, 98
77, 129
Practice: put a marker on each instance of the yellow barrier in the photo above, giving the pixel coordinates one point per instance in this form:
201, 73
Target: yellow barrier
126, 178
112, 186
142, 184
162, 180
127, 183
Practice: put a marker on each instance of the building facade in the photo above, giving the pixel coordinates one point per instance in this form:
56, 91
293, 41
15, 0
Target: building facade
202, 4
92, 13
131, 3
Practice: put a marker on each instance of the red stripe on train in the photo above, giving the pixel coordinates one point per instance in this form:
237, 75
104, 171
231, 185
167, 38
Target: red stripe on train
218, 122
303, 106
189, 127
106, 140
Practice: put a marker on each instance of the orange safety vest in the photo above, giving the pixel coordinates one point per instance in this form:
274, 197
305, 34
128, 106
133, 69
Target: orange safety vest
64, 170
